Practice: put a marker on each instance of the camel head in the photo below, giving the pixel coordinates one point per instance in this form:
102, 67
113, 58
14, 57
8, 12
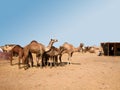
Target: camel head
54, 40
81, 45
50, 44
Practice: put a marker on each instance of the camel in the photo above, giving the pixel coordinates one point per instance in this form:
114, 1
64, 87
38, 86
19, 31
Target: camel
8, 48
90, 49
19, 51
82, 47
52, 55
70, 49
39, 49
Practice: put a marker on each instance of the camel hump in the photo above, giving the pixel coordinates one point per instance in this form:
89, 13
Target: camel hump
17, 46
54, 48
65, 42
33, 41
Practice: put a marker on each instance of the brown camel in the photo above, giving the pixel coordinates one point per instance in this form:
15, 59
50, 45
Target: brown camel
37, 48
69, 49
19, 51
82, 47
52, 55
90, 49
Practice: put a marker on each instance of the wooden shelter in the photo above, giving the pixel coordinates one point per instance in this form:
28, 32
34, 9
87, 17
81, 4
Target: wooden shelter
111, 48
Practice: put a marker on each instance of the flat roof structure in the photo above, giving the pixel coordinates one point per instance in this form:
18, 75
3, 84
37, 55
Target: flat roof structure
111, 48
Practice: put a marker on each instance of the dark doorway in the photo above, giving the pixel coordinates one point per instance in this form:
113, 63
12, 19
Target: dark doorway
111, 49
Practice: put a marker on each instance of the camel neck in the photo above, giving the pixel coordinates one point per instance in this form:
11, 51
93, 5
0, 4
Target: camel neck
50, 45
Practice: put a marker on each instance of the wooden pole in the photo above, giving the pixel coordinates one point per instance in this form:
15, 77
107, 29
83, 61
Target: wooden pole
114, 49
108, 49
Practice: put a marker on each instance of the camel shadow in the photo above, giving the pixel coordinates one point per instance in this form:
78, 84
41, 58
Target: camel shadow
63, 63
66, 63
15, 64
76, 63
56, 65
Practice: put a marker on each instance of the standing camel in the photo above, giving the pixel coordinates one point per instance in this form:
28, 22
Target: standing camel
82, 47
19, 51
69, 49
37, 48
52, 55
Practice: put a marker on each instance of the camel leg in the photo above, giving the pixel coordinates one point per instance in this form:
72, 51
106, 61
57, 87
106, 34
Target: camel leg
31, 59
38, 57
51, 59
20, 59
19, 63
11, 61
56, 60
69, 58
32, 63
26, 63
60, 56
43, 61
11, 58
37, 60
47, 60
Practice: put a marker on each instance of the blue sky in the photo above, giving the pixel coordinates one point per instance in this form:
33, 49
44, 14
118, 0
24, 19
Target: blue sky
73, 21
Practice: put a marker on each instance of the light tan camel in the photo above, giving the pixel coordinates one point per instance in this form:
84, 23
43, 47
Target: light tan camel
69, 49
90, 49
8, 48
37, 48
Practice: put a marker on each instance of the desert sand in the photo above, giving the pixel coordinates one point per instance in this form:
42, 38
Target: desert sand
87, 72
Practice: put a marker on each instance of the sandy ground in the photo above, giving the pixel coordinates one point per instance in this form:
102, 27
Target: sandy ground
87, 72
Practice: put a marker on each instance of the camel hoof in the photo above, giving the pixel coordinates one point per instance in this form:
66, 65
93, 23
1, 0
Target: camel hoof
25, 68
38, 65
69, 63
28, 65
32, 65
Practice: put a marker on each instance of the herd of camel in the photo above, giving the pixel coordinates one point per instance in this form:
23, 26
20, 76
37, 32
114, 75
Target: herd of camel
43, 54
